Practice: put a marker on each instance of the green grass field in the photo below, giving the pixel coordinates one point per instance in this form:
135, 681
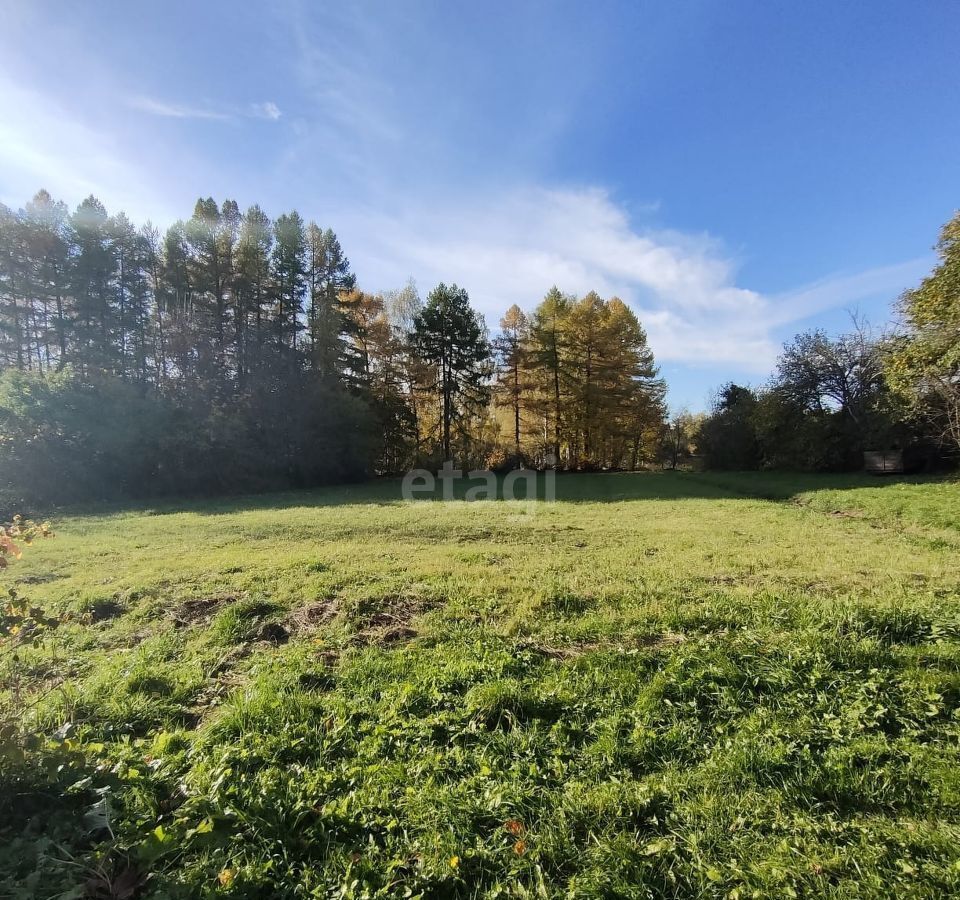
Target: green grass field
658, 686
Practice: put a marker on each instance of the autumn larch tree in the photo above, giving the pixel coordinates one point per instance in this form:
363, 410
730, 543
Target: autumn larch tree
512, 350
548, 350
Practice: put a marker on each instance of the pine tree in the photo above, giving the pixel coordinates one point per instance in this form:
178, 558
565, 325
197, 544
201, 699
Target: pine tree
176, 301
289, 268
251, 288
132, 293
402, 307
586, 324
153, 272
229, 233
93, 273
209, 278
451, 338
47, 255
596, 377
329, 278
11, 278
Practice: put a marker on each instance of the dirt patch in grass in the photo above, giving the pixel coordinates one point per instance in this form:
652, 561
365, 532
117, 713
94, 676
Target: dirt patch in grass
272, 633
308, 618
393, 617
847, 514
115, 639
228, 660
317, 681
104, 610
482, 534
388, 622
199, 609
329, 657
41, 578
579, 648
214, 692
389, 636
724, 579
666, 639
391, 610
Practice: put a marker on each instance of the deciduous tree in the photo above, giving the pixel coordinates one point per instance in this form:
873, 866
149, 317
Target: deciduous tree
512, 349
924, 365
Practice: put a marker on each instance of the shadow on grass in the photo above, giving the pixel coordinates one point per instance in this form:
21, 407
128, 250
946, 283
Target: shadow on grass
603, 487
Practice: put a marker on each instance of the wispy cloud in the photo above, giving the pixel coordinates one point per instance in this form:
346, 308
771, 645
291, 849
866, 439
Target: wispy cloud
266, 110
506, 245
846, 289
389, 196
509, 241
174, 110
510, 247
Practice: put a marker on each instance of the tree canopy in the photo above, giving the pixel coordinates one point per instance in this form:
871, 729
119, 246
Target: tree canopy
233, 351
924, 366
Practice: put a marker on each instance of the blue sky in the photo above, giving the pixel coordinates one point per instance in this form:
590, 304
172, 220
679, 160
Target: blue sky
737, 171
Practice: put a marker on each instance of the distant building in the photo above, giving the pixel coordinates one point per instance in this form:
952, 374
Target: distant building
879, 462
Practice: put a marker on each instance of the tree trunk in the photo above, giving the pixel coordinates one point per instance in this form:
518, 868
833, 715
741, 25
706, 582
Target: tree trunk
556, 403
61, 332
516, 407
446, 411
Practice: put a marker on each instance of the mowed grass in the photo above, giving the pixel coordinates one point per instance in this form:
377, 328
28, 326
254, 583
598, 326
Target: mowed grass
657, 686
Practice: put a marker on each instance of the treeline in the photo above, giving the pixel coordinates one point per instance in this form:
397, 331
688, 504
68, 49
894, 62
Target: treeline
827, 404
577, 384
833, 398
235, 352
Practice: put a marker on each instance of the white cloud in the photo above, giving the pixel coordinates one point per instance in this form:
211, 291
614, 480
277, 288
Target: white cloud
511, 247
846, 289
268, 110
174, 110
505, 246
